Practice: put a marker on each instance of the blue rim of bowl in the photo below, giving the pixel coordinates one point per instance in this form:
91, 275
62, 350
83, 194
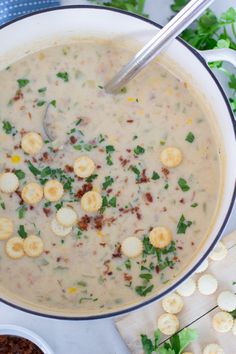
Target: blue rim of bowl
231, 204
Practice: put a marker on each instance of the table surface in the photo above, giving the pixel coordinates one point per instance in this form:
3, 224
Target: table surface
100, 337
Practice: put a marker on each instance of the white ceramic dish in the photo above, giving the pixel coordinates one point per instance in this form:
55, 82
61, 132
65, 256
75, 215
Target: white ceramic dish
61, 25
25, 333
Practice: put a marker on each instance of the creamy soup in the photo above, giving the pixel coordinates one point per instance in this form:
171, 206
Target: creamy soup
121, 198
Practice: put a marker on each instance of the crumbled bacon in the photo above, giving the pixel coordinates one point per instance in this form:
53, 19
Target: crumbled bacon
157, 269
69, 168
98, 222
84, 222
149, 198
123, 161
30, 115
19, 195
127, 277
182, 201
165, 171
19, 95
102, 244
107, 270
144, 178
117, 253
85, 188
130, 121
47, 211
73, 139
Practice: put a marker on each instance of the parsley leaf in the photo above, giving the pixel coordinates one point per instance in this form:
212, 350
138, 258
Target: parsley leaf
21, 232
91, 178
22, 82
143, 290
108, 182
8, 128
63, 75
110, 148
139, 150
21, 212
183, 224
135, 170
155, 176
128, 264
190, 137
20, 174
183, 184
41, 103
42, 89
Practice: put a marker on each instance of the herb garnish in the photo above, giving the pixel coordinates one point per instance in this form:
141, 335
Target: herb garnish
183, 184
135, 170
175, 345
41, 103
108, 182
139, 150
109, 150
155, 176
53, 103
2, 204
21, 232
190, 137
108, 202
22, 82
143, 290
183, 224
42, 89
20, 174
63, 75
21, 212
194, 205
8, 128
91, 178
128, 264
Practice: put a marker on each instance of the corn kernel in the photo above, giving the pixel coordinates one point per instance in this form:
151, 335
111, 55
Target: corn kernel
41, 56
131, 99
72, 290
15, 159
189, 121
100, 233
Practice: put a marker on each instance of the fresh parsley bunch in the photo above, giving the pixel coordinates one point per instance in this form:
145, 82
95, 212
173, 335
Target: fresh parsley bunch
175, 345
208, 32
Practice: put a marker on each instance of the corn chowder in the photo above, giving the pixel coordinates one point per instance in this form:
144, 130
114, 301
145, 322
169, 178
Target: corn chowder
104, 198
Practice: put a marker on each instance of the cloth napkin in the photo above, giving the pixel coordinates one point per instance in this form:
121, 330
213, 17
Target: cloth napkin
10, 9
198, 310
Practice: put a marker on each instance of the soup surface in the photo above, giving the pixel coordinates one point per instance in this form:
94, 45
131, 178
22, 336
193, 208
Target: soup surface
137, 185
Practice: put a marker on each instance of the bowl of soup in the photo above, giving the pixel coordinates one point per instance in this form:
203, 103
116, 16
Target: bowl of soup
108, 202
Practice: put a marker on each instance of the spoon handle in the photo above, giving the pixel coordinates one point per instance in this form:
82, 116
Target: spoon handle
160, 41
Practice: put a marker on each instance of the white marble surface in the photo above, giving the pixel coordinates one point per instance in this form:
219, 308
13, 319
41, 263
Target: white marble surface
97, 337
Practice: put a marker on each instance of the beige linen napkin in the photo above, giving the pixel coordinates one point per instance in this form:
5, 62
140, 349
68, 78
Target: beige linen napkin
198, 310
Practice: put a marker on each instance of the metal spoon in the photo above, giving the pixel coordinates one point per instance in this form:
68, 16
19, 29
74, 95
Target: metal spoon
162, 39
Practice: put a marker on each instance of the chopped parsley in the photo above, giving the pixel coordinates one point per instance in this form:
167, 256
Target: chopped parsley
42, 89
2, 204
146, 276
22, 82
143, 290
139, 150
63, 75
53, 103
183, 184
194, 205
166, 186
190, 137
108, 182
155, 176
8, 128
183, 224
21, 232
123, 90
128, 264
20, 174
136, 171
135, 137
21, 211
108, 202
41, 103
109, 149
33, 169
91, 178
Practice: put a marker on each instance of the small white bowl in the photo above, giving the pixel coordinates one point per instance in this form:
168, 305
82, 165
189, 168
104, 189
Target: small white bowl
12, 330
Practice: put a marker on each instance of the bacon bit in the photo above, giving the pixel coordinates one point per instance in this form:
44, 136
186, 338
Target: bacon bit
84, 222
109, 190
30, 115
99, 166
165, 171
19, 95
58, 259
73, 139
85, 188
182, 201
164, 209
127, 277
34, 159
180, 247
123, 161
98, 222
130, 121
102, 244
192, 243
31, 207
128, 150
19, 195
117, 253
46, 251
157, 269
149, 198
134, 210
144, 178
107, 270
69, 168
47, 212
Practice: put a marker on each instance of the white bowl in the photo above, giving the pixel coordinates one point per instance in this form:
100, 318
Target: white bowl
18, 331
